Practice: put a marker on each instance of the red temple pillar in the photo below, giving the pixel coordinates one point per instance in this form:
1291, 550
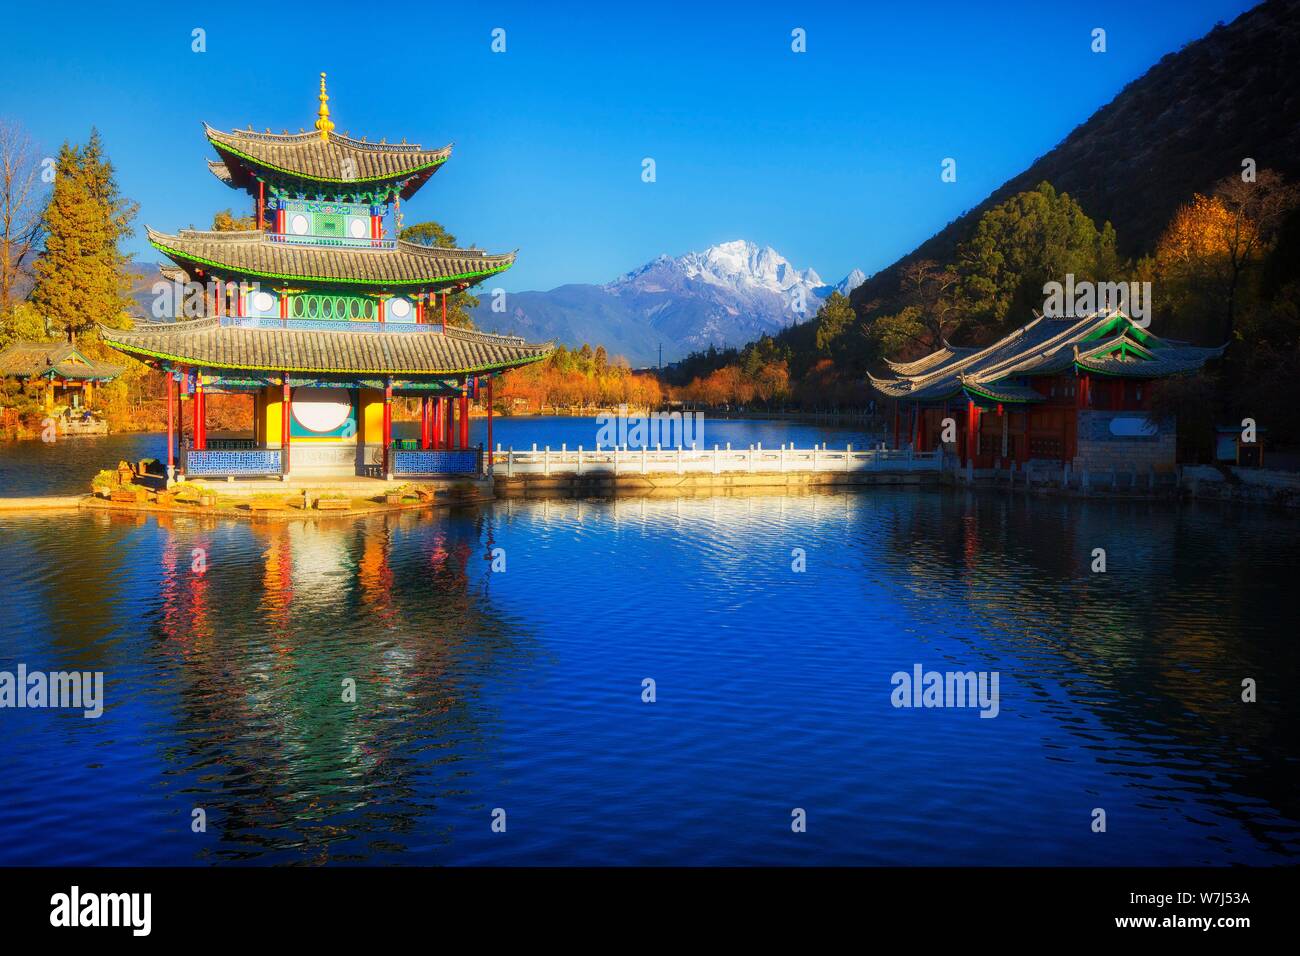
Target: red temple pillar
449, 424
170, 382
284, 426
972, 430
419, 309
895, 425
388, 428
464, 416
435, 422
490, 446
197, 411
444, 311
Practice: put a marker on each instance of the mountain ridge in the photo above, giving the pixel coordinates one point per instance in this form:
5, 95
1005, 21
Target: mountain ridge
722, 296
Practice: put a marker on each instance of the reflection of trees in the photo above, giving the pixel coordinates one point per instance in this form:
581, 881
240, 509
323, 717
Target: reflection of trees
260, 647
1154, 648
80, 601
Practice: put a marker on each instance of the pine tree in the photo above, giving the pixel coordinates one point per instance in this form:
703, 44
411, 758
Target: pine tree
81, 276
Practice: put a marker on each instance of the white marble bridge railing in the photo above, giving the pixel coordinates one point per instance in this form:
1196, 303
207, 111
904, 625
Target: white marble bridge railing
716, 460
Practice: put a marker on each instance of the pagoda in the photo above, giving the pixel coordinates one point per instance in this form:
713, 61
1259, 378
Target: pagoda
322, 317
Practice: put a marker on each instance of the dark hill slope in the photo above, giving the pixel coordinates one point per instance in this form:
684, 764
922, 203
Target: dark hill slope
1180, 128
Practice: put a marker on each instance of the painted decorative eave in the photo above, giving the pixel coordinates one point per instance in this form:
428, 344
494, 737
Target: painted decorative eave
258, 255
422, 351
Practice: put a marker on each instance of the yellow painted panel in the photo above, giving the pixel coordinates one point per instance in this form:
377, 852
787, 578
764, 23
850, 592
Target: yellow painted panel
271, 403
371, 418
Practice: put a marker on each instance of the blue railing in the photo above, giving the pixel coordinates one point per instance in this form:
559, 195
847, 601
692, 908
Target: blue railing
412, 463
257, 463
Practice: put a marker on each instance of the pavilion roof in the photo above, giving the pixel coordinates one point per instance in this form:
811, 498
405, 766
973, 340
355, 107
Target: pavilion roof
1106, 343
257, 254
414, 351
337, 160
53, 360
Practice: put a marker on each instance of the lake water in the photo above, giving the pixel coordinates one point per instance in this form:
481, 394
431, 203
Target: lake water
65, 467
523, 690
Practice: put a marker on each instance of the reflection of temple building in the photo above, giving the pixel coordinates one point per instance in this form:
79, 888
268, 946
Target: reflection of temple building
388, 603
1014, 584
323, 318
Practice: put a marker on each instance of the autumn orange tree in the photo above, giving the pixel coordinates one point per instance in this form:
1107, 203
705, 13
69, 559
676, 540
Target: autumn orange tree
584, 377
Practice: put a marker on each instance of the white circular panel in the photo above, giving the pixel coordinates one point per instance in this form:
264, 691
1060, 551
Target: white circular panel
399, 308
263, 302
299, 224
358, 228
321, 409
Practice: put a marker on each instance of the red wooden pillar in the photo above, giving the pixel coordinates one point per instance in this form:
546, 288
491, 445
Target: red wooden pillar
198, 412
388, 428
170, 382
419, 309
896, 425
449, 423
490, 446
435, 423
284, 425
424, 422
972, 430
444, 311
464, 416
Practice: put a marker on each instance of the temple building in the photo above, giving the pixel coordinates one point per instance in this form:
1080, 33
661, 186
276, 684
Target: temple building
66, 376
321, 317
1074, 391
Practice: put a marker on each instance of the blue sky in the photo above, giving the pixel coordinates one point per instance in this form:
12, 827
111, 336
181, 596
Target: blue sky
831, 156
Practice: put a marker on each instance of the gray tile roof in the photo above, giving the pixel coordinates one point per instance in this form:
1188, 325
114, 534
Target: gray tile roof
256, 254
53, 360
421, 350
337, 160
1105, 342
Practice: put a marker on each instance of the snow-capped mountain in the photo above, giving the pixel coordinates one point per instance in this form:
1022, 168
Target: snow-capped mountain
844, 286
726, 295
740, 266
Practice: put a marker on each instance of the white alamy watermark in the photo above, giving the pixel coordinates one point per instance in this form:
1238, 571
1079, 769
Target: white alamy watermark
74, 690
1080, 299
74, 908
657, 429
922, 688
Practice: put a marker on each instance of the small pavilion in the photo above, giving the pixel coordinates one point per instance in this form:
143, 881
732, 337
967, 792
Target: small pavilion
67, 376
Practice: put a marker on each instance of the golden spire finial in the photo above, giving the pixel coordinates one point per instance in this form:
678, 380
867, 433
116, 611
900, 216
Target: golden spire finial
324, 124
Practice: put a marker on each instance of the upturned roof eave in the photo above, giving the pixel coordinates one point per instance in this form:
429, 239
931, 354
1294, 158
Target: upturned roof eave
237, 145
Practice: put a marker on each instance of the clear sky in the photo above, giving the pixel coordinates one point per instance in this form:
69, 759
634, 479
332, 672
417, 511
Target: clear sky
830, 156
